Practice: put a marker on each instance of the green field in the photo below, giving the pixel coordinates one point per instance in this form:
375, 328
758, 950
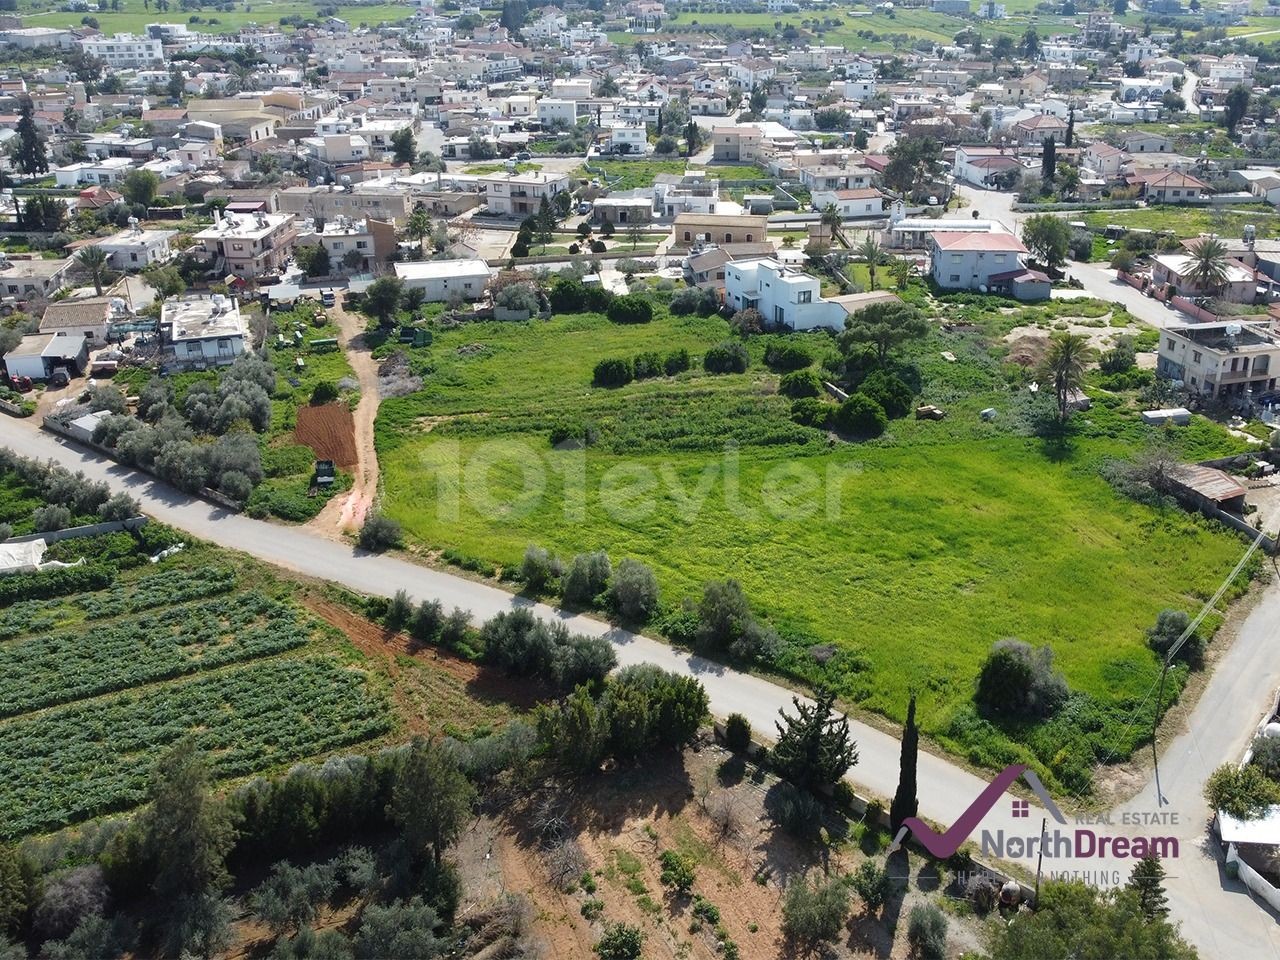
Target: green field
95, 686
1189, 221
634, 174
912, 553
133, 16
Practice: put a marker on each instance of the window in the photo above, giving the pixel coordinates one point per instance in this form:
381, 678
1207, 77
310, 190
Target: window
956, 257
237, 246
361, 244
466, 286
1195, 356
688, 236
133, 257
955, 278
1171, 343
804, 296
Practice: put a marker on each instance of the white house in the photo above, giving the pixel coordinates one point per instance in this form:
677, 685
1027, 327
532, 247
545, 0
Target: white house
628, 137
554, 110
135, 248
99, 172
520, 194
785, 297
203, 330
442, 279
862, 202
125, 50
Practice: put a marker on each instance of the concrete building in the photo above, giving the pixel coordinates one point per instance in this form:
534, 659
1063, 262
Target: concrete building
441, 280
37, 355
125, 51
1240, 283
354, 245
557, 110
520, 194
135, 248
25, 278
374, 200
692, 229
737, 144
203, 331
786, 298
248, 245
985, 262
1220, 360
89, 318
863, 202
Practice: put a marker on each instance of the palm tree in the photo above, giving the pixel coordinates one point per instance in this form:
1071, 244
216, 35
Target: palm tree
1064, 365
831, 216
94, 262
1208, 264
869, 250
901, 269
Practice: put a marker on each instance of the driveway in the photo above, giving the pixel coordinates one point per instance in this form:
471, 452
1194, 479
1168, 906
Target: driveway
1215, 914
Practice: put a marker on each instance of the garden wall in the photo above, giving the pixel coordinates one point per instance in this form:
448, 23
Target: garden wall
86, 530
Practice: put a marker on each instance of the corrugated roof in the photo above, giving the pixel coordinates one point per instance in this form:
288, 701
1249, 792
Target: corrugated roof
1208, 482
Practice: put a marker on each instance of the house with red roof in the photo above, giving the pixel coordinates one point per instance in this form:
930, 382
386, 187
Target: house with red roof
1168, 186
986, 263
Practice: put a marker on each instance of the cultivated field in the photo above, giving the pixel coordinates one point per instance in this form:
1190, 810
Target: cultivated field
328, 430
96, 684
912, 553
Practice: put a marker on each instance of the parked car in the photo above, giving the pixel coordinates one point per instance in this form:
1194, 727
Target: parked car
524, 155
327, 299
584, 208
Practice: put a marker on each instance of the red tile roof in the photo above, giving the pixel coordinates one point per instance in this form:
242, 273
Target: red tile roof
986, 242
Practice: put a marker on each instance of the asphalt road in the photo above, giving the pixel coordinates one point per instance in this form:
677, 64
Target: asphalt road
1216, 913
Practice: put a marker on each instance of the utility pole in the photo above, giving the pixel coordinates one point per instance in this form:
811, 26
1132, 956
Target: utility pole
1044, 835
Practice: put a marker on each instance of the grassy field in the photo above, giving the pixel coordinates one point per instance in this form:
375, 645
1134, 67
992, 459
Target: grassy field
1190, 221
95, 686
912, 553
633, 174
134, 16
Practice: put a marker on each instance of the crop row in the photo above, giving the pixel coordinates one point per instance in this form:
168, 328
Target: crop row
159, 645
169, 587
85, 760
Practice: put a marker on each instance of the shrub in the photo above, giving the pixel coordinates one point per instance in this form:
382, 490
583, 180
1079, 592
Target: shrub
812, 412
379, 533
633, 592
620, 941
453, 632
323, 392
727, 357
1266, 756
51, 517
586, 578
860, 416
871, 882
537, 568
796, 811
687, 300
523, 645
983, 893
1119, 359
520, 249
517, 296
575, 432
598, 246
613, 373
888, 390
119, 506
630, 308
787, 356
1242, 792
574, 248
1018, 680
647, 365
426, 621
737, 732
677, 361
747, 322
815, 912
68, 898
927, 931
1168, 628
800, 383
607, 229
677, 872
235, 485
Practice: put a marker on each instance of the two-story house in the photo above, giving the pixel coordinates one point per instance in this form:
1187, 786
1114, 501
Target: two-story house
248, 245
985, 262
787, 299
1220, 360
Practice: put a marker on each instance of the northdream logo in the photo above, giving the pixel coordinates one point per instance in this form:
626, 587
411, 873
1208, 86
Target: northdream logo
943, 846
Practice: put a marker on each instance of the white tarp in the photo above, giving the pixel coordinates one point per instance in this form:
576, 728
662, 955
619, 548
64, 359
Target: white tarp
1266, 829
21, 557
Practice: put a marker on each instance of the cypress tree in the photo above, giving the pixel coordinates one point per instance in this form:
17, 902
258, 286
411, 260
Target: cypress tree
1048, 160
30, 158
905, 803
1071, 127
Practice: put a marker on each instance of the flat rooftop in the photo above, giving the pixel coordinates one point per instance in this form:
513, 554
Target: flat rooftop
199, 319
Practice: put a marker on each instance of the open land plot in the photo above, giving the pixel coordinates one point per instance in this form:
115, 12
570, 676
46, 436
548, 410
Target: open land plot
133, 17
1189, 221
911, 554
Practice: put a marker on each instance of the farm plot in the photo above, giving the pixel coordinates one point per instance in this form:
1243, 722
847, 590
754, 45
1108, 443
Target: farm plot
76, 762
106, 656
329, 430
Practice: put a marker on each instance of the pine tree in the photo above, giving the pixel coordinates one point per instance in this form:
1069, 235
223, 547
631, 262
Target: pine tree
1071, 127
545, 220
814, 747
905, 803
30, 158
1147, 880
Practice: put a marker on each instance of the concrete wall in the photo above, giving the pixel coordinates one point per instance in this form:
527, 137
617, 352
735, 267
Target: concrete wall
87, 530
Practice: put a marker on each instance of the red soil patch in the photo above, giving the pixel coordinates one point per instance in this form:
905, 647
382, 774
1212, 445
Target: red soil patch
330, 431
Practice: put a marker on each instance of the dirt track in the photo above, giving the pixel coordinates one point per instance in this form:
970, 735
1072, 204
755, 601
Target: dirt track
347, 511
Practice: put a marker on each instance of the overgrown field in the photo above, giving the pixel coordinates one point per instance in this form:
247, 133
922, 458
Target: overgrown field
911, 554
96, 685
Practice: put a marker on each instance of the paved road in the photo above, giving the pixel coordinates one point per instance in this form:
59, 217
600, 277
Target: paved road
1217, 916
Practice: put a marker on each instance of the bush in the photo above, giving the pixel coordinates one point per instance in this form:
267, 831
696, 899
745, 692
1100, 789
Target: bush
323, 392
586, 578
608, 229
812, 412
1168, 628
630, 308
796, 811
1081, 245
613, 373
799, 384
620, 941
927, 931
787, 356
517, 296
379, 533
647, 366
694, 300
119, 506
677, 872
1119, 359
871, 882
538, 568
813, 913
888, 390
598, 246
1266, 756
677, 361
860, 416
69, 897
633, 592
1019, 681
428, 617
1242, 792
235, 485
51, 517
727, 357
737, 732
523, 645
